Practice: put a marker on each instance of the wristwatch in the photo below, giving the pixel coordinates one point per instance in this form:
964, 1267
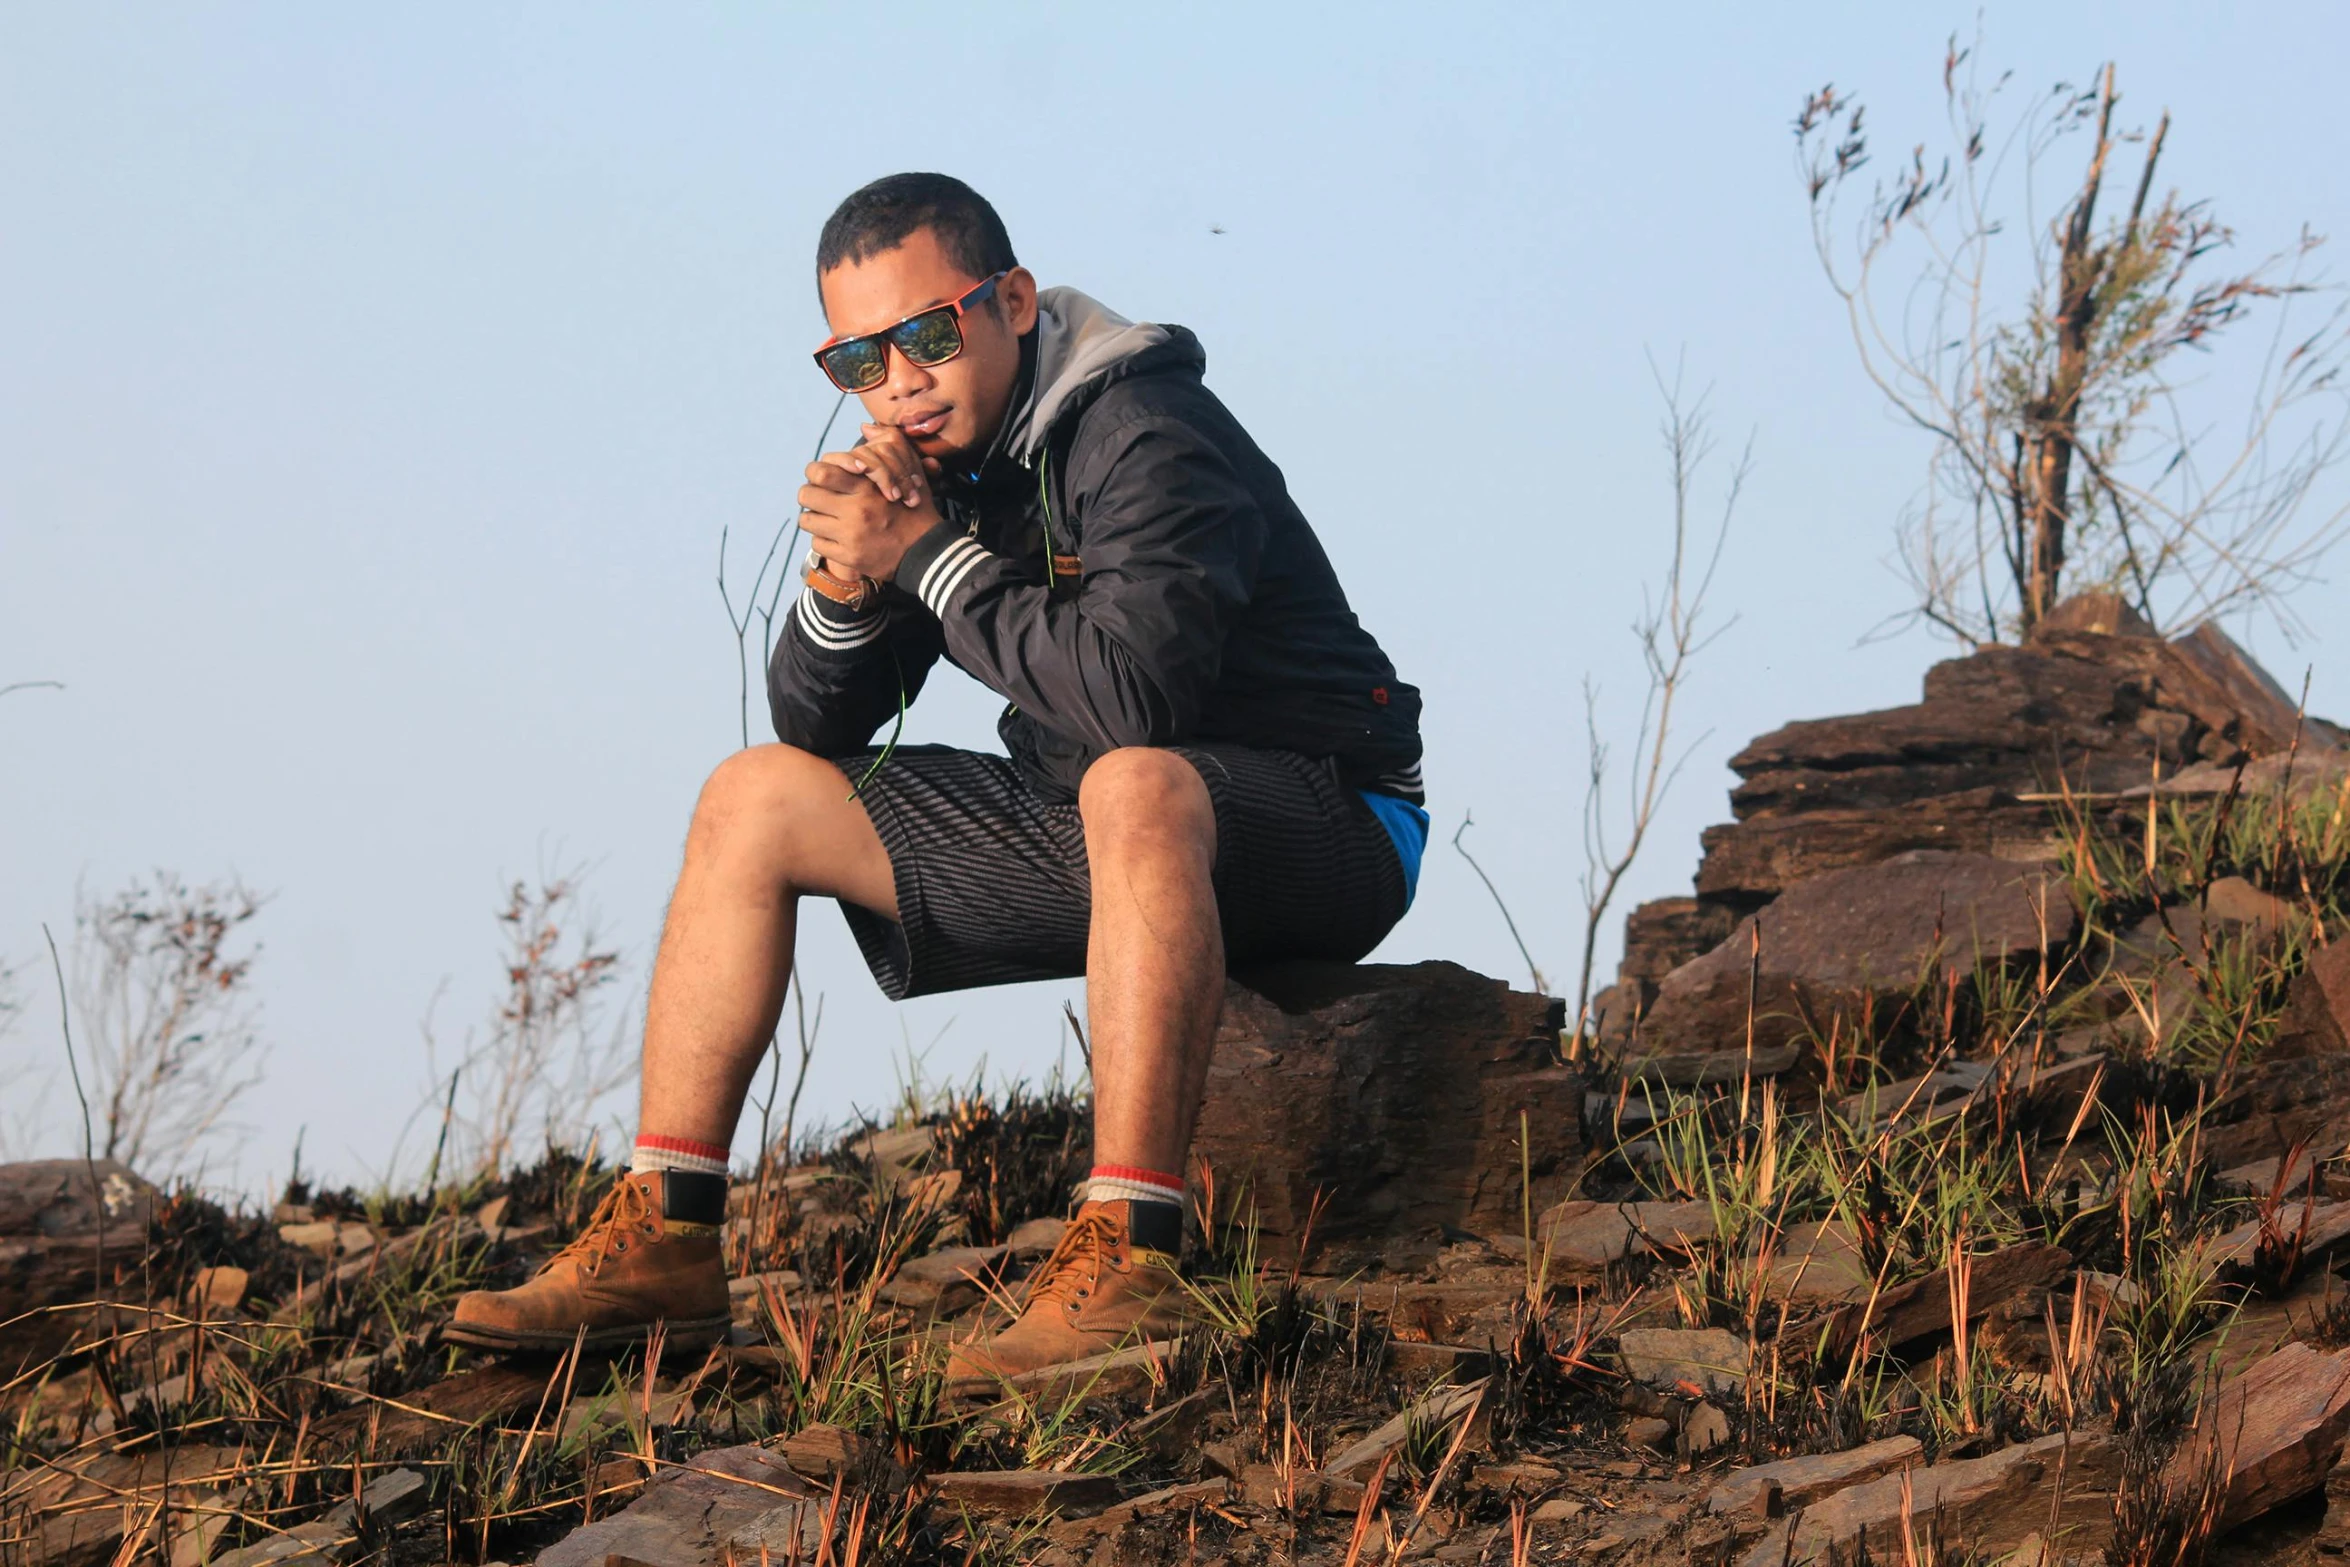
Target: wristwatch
861, 594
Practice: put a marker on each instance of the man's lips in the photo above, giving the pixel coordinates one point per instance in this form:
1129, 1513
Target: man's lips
928, 424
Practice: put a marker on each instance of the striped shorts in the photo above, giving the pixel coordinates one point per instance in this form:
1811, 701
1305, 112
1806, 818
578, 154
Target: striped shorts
993, 886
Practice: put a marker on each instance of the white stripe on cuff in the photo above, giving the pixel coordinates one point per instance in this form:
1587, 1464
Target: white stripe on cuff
946, 573
827, 633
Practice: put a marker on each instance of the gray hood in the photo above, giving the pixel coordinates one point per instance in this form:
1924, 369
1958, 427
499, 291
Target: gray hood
1079, 340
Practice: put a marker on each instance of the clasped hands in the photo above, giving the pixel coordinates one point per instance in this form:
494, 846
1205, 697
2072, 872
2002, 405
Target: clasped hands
862, 509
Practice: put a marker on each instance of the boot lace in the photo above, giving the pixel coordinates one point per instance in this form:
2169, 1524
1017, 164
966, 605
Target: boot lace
1075, 1265
625, 1208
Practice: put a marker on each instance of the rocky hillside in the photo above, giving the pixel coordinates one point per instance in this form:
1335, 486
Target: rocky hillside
1960, 1177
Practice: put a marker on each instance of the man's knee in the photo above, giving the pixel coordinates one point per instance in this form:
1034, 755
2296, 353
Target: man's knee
1142, 791
754, 798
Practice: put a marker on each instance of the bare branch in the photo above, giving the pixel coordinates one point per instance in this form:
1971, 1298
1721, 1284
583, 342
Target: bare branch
2059, 450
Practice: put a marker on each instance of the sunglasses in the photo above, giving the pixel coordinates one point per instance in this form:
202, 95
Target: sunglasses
927, 338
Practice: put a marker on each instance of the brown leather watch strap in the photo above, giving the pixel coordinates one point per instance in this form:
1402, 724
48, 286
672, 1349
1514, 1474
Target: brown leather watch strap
860, 594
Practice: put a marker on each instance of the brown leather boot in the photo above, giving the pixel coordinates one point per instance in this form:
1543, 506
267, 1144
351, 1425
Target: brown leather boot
649, 1255
1099, 1290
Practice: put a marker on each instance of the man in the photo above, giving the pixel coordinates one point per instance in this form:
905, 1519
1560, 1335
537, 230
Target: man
1211, 763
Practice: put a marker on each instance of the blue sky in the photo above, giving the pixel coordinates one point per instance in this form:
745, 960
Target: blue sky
375, 384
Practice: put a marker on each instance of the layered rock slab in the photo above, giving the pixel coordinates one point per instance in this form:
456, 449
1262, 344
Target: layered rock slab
1832, 946
1356, 1107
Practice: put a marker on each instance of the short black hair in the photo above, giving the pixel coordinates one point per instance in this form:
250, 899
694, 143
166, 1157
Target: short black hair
882, 215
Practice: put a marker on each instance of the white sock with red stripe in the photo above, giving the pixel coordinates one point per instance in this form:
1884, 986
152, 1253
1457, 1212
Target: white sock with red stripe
654, 1152
1127, 1183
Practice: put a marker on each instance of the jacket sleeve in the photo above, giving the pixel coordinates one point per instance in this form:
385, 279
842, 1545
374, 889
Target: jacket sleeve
1171, 539
839, 674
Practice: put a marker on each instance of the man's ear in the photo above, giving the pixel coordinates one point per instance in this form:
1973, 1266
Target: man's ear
1018, 293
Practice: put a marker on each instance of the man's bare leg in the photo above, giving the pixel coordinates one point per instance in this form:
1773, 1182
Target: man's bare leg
1154, 977
1154, 971
773, 825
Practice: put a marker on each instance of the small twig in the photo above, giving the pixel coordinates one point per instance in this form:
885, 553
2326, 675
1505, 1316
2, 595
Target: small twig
1541, 985
89, 1147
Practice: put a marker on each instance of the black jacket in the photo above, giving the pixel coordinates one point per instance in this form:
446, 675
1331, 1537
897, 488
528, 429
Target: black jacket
1191, 600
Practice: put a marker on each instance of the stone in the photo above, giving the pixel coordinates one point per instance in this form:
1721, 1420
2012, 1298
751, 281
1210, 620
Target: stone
1441, 1405
1921, 1306
2273, 1434
1036, 1238
1022, 1493
1591, 1235
823, 1451
319, 1237
746, 1296
1660, 936
1842, 943
1417, 1362
2059, 1486
687, 1516
1559, 1509
1640, 1062
420, 1424
387, 1499
1106, 1375
2264, 1177
1944, 1092
2001, 746
1691, 1360
1819, 1261
1767, 1490
787, 1532
1650, 1431
2316, 1019
2328, 1226
56, 1231
1112, 1519
1439, 1311
1378, 1105
899, 1155
1521, 1476
944, 1283
70, 1513
1702, 1430
217, 1291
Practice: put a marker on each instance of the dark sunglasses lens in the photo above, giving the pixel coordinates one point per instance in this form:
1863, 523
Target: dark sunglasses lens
931, 338
856, 365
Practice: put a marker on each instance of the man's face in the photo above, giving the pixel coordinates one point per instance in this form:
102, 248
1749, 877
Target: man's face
948, 410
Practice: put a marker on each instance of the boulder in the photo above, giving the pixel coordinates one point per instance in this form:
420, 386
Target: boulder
2317, 1008
2273, 1434
692, 1516
2060, 1487
2002, 746
65, 1239
1836, 944
1389, 1098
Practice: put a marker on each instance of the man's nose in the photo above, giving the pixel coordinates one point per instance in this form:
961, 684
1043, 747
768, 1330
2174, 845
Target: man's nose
906, 378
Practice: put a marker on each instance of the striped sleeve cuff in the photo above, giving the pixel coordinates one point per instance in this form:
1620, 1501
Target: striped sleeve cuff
940, 562
836, 628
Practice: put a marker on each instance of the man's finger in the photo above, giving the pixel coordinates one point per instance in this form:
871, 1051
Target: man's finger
818, 501
867, 468
832, 473
888, 443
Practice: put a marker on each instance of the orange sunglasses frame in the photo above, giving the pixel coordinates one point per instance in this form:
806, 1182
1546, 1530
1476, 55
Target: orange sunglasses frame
976, 294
